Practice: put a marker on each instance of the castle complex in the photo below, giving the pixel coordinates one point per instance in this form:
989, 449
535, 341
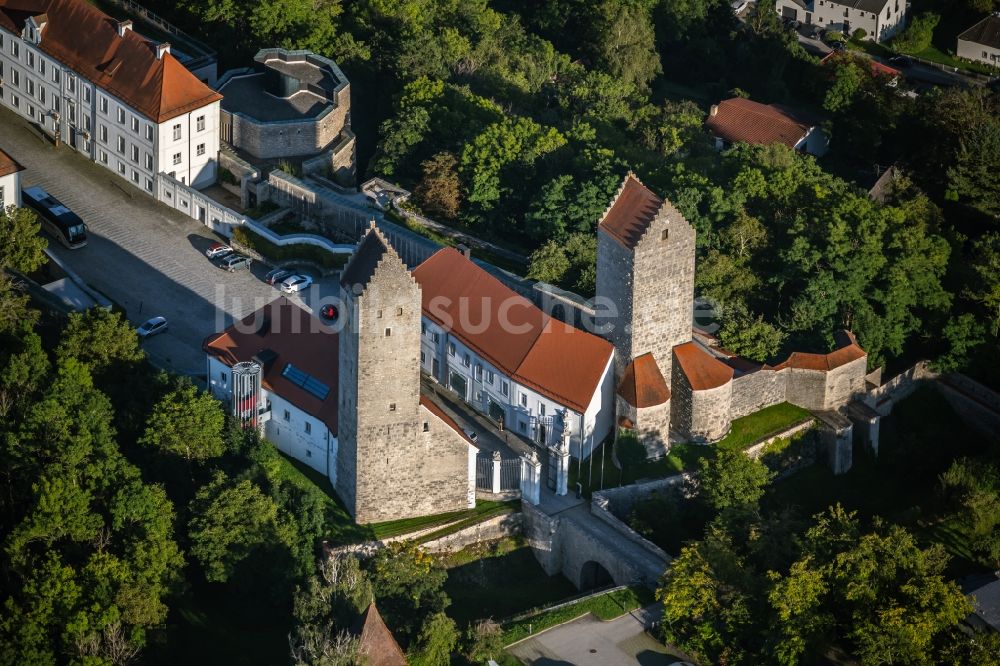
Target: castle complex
672, 384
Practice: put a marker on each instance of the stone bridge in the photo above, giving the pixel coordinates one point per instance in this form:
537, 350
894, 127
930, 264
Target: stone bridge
589, 551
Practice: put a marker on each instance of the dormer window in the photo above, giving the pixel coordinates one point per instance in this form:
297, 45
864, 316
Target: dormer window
665, 234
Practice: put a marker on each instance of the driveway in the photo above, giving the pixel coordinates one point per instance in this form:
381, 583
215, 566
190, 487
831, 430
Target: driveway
589, 641
147, 258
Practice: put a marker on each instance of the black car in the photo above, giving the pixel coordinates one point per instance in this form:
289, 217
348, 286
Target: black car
901, 61
838, 46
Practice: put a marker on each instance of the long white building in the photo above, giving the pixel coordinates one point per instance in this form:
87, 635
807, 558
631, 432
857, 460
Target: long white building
109, 93
509, 360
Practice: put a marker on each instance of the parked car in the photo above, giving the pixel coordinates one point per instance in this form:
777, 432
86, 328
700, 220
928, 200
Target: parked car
275, 276
234, 262
152, 327
817, 33
472, 435
901, 61
328, 312
296, 283
838, 46
217, 250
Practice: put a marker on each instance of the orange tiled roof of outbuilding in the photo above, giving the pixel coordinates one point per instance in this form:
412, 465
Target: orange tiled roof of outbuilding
742, 120
8, 165
86, 40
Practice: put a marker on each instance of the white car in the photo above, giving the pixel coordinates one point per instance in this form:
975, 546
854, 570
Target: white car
152, 327
217, 250
296, 283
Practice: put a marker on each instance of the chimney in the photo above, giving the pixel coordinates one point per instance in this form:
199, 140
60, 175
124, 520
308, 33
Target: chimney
162, 49
123, 27
714, 110
465, 250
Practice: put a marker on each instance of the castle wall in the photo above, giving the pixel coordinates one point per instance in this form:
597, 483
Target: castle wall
756, 390
845, 383
807, 388
287, 138
652, 426
711, 419
681, 400
614, 297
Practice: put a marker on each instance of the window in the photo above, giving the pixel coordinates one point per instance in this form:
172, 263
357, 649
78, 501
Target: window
223, 377
399, 311
288, 417
392, 406
665, 235
423, 328
149, 132
103, 133
31, 86
201, 123
121, 167
55, 75
466, 361
490, 377
103, 156
504, 388
121, 145
86, 123
71, 111
1, 198
541, 408
524, 399
71, 84
201, 149
436, 337
308, 427
149, 161
41, 66
479, 372
423, 357
86, 94
31, 60
135, 176
388, 332
149, 185
135, 124
523, 427
451, 348
135, 153
41, 94
177, 132
379, 314
427, 426
15, 77
104, 105
177, 158
121, 115
15, 49
15, 101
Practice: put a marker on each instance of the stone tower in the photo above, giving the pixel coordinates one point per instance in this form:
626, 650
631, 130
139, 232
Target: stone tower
380, 417
645, 272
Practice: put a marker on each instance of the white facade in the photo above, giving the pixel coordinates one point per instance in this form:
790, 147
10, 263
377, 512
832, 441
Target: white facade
522, 409
97, 124
294, 432
10, 190
880, 19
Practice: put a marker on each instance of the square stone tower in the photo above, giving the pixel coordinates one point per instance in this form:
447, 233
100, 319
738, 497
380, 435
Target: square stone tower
645, 275
379, 418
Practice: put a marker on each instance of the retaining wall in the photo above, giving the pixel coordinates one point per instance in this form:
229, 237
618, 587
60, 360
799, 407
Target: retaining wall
498, 527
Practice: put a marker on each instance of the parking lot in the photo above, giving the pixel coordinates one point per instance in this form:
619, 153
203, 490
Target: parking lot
145, 257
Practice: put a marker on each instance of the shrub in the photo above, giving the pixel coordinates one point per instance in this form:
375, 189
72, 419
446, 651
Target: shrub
227, 177
859, 34
296, 252
917, 37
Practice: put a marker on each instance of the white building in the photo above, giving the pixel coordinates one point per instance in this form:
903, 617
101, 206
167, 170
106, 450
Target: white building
981, 42
118, 98
880, 19
10, 181
509, 360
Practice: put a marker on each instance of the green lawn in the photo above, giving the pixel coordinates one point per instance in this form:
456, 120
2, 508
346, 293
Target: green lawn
502, 585
605, 607
745, 432
484, 509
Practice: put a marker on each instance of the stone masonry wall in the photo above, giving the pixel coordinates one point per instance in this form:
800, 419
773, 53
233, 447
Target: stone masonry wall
663, 287
289, 138
711, 413
652, 426
757, 390
807, 388
680, 400
614, 290
845, 383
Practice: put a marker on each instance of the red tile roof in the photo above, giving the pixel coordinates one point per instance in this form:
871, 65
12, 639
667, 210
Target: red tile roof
86, 40
876, 67
642, 383
436, 410
8, 165
629, 215
703, 371
507, 330
849, 351
740, 120
296, 337
376, 645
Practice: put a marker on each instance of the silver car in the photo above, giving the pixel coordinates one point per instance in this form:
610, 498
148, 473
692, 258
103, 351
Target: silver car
152, 327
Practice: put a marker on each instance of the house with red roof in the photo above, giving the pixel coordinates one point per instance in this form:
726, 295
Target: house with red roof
506, 358
740, 120
113, 95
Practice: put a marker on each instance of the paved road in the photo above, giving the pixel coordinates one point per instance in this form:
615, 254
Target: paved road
144, 256
591, 642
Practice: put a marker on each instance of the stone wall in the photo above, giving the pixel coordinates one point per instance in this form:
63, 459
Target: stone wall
756, 390
710, 419
614, 297
663, 288
807, 388
845, 383
339, 161
599, 509
652, 424
498, 527
542, 533
681, 400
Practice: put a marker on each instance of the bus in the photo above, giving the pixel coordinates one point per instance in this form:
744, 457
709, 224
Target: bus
57, 219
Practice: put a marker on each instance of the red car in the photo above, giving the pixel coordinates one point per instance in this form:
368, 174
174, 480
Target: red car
328, 312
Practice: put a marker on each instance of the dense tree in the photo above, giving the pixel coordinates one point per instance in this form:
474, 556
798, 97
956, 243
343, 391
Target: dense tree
731, 478
100, 339
187, 423
437, 641
439, 191
624, 42
21, 245
918, 34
